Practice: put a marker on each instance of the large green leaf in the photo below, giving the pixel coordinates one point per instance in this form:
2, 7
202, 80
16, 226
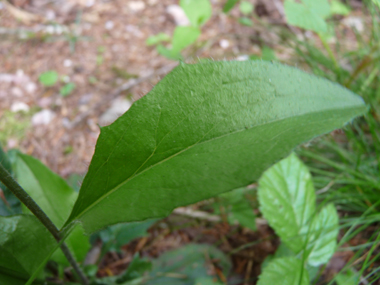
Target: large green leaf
55, 197
309, 14
25, 244
203, 130
198, 11
284, 271
287, 200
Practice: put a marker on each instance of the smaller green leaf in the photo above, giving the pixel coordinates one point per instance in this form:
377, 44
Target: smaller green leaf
136, 269
350, 277
268, 54
229, 5
197, 11
114, 237
245, 21
302, 16
287, 200
67, 89
183, 266
55, 198
322, 236
25, 244
49, 190
183, 37
338, 8
284, 271
48, 78
238, 208
168, 53
246, 7
156, 39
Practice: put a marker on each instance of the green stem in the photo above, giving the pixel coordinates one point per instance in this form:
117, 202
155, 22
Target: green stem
329, 51
24, 197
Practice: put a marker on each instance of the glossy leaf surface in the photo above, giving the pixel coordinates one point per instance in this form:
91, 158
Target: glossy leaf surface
203, 130
24, 245
287, 200
322, 236
284, 271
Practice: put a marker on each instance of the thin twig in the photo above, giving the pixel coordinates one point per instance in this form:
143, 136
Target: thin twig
114, 94
24, 197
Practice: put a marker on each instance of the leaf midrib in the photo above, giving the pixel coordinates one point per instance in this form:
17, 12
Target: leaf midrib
191, 146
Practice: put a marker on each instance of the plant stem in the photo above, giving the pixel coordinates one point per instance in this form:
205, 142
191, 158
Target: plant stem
329, 51
24, 197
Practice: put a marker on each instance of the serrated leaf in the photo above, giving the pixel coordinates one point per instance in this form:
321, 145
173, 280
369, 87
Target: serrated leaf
55, 197
306, 17
287, 200
284, 271
183, 266
322, 236
197, 11
203, 130
25, 244
229, 5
